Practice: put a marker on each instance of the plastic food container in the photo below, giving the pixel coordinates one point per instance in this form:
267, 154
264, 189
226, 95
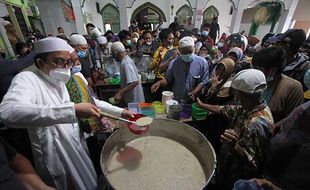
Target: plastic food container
198, 113
166, 95
147, 109
114, 81
134, 107
136, 129
174, 112
186, 111
155, 103
170, 103
159, 109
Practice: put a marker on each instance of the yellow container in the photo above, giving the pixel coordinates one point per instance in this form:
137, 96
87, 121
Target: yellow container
155, 103
159, 109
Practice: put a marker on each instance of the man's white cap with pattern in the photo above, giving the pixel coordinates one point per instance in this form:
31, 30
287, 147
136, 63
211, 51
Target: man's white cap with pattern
249, 81
102, 40
186, 42
51, 44
117, 47
77, 39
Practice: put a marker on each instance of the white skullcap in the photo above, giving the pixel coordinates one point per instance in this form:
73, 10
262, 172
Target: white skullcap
249, 81
95, 33
117, 47
51, 44
5, 22
186, 41
102, 40
77, 39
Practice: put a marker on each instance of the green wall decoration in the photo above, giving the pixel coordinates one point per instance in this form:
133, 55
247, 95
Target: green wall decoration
21, 3
267, 12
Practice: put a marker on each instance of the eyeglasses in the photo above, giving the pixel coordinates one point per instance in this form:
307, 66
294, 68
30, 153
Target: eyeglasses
60, 62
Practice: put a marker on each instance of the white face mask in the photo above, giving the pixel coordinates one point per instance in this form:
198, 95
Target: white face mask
61, 74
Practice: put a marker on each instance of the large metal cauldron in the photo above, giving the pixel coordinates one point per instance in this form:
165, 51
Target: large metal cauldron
171, 155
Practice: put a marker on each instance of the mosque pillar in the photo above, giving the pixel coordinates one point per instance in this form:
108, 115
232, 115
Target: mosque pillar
123, 14
79, 21
198, 14
237, 16
286, 17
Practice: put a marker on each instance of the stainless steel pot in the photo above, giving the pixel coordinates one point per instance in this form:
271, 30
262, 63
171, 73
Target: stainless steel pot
183, 134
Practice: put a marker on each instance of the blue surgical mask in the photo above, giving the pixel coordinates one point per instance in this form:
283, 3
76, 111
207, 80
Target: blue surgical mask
82, 54
307, 79
205, 33
76, 69
187, 57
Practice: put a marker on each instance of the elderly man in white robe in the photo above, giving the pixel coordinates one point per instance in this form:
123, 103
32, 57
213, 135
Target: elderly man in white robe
39, 102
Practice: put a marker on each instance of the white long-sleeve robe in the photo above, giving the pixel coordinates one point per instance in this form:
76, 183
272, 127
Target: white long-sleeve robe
42, 105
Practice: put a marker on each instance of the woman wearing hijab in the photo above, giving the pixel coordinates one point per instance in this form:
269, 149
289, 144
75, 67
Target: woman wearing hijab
218, 92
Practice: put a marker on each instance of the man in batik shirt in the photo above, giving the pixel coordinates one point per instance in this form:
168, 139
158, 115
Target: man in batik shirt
246, 140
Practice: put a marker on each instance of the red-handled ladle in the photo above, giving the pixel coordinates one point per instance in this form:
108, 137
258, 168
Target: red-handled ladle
138, 124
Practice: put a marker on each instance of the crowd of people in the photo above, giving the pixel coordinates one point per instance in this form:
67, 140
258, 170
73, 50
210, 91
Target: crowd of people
257, 92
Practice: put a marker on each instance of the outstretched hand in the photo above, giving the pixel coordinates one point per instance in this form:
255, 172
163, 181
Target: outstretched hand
215, 81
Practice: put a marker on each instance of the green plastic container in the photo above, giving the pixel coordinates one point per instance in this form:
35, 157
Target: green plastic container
198, 113
114, 81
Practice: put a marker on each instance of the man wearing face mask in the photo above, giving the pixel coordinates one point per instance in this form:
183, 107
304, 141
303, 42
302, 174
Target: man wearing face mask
79, 43
283, 94
147, 45
94, 128
204, 37
246, 139
187, 74
125, 38
39, 102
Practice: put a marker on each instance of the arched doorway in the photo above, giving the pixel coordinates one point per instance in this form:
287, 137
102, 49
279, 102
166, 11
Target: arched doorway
152, 11
209, 14
184, 12
110, 18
